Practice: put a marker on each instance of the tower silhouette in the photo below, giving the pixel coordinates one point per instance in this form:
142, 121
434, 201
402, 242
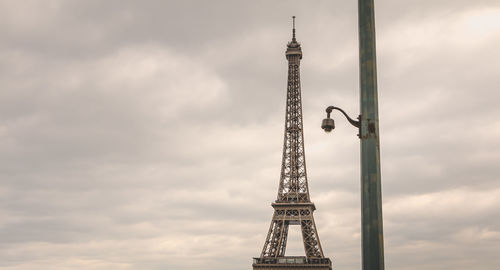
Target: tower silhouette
293, 205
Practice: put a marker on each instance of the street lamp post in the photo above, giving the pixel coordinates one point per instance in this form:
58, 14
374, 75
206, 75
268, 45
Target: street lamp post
368, 125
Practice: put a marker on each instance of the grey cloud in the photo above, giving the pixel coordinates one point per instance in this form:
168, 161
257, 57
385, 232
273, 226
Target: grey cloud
148, 135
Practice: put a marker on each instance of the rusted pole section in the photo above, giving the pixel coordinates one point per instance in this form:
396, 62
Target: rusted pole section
371, 197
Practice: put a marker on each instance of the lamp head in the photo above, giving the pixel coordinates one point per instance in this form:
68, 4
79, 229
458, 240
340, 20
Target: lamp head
328, 124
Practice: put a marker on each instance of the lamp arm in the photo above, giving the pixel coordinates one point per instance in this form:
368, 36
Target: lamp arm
352, 121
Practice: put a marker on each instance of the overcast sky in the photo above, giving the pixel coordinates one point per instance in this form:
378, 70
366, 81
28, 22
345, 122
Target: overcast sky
147, 135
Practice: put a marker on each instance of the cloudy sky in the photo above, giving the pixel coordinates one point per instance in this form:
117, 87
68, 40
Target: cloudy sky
147, 135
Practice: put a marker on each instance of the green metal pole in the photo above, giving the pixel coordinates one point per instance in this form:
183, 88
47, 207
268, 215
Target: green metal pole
371, 197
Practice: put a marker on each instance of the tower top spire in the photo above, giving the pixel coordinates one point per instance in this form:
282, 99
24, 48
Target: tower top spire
293, 47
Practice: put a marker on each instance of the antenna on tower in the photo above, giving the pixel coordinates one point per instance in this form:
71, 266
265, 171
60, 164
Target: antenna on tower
293, 19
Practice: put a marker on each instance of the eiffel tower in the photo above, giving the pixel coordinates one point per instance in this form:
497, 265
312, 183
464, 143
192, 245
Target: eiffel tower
293, 205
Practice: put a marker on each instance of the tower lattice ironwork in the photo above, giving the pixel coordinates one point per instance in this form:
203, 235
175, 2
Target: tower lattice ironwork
293, 205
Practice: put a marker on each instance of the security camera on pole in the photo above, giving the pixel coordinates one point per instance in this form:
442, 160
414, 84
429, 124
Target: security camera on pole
368, 127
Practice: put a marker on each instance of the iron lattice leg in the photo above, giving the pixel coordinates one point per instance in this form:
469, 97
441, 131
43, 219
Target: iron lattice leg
311, 239
275, 245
